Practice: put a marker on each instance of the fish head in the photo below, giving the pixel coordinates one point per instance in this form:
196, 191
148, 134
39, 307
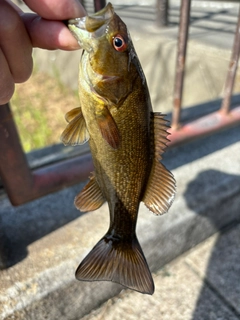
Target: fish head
106, 39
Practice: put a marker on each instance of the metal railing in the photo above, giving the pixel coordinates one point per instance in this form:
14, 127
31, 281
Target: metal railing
213, 122
22, 184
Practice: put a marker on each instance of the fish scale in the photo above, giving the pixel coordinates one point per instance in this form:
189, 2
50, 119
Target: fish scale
126, 140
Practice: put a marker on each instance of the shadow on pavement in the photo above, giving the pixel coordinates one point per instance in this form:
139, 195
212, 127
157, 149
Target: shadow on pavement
23, 225
223, 271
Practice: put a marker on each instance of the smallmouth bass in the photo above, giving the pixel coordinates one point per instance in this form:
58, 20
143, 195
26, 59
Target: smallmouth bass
126, 140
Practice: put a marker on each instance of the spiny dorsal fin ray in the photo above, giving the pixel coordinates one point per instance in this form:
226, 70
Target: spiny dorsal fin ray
91, 197
108, 127
76, 131
160, 127
119, 261
161, 187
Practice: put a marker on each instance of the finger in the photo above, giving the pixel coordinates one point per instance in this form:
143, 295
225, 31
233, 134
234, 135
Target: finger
49, 35
57, 10
15, 43
6, 80
14, 6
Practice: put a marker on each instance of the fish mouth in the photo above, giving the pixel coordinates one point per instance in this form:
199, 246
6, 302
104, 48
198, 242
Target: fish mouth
90, 27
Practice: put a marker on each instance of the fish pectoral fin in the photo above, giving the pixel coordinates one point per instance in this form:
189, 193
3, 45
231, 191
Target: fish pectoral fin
91, 197
76, 131
72, 114
108, 127
113, 259
160, 190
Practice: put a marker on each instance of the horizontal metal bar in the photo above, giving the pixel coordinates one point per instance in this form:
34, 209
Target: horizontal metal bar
52, 178
22, 184
203, 126
72, 171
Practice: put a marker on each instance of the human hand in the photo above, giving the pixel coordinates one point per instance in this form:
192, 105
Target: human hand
20, 32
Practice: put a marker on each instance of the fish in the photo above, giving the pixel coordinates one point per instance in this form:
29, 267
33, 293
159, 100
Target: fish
126, 139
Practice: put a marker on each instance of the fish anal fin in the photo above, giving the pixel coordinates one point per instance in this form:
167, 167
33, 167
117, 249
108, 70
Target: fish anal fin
108, 127
160, 190
112, 259
91, 197
76, 131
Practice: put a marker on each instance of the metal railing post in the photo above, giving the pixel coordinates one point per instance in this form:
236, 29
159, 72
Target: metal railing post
232, 69
99, 4
162, 13
181, 59
13, 163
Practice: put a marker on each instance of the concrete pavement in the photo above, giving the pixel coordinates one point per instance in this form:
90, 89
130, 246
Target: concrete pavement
197, 285
46, 239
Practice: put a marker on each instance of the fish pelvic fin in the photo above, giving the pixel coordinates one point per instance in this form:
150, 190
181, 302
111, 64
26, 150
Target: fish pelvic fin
72, 114
91, 197
76, 131
161, 186
113, 259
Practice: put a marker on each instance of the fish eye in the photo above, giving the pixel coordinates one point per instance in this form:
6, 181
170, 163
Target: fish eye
119, 43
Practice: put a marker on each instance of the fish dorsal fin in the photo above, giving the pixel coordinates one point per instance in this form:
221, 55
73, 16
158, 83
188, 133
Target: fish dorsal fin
91, 197
161, 186
76, 131
160, 131
108, 127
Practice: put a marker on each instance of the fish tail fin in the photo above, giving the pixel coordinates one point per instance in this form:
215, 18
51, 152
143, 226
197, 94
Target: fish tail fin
113, 259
